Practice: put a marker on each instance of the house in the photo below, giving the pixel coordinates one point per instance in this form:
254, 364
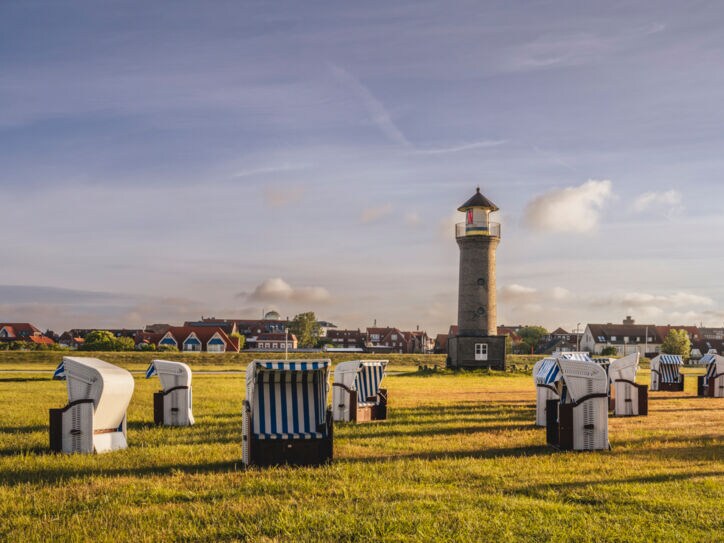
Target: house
325, 327
196, 339
392, 340
346, 339
626, 338
274, 342
23, 331
711, 333
691, 331
440, 346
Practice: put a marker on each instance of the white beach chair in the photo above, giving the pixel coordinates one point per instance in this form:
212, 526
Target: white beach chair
95, 418
630, 399
666, 373
172, 406
582, 412
357, 394
286, 418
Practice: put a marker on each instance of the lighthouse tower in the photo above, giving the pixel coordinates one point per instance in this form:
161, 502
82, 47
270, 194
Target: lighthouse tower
477, 343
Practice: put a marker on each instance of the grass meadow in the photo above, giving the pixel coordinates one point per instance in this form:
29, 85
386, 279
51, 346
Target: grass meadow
458, 460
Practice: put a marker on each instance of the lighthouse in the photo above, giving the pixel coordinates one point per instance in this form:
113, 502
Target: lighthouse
477, 343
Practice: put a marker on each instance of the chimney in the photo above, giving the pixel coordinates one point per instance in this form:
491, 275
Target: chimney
628, 320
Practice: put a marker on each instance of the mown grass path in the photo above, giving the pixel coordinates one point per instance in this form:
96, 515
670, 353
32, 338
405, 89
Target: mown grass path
459, 460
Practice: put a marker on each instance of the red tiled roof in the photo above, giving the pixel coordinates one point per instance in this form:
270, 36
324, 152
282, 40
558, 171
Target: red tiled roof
204, 333
41, 340
18, 329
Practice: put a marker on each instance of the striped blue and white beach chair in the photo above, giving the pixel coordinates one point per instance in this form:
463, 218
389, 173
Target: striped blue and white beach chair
546, 376
666, 373
712, 382
357, 395
286, 417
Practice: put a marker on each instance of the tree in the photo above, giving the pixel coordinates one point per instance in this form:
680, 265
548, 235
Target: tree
167, 348
306, 328
609, 351
676, 342
530, 337
99, 340
240, 338
124, 344
103, 340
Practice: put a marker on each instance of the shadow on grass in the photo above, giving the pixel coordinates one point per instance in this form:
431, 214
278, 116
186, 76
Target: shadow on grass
456, 430
62, 474
23, 379
502, 452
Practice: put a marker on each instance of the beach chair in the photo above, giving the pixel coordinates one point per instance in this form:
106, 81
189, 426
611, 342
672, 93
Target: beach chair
666, 374
630, 399
172, 406
545, 376
95, 418
579, 420
356, 392
712, 383
286, 419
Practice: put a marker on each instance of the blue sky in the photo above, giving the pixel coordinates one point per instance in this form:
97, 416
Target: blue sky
162, 161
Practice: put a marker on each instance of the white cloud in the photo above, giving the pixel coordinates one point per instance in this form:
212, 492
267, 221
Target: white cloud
277, 289
560, 293
375, 213
515, 292
670, 200
677, 299
572, 209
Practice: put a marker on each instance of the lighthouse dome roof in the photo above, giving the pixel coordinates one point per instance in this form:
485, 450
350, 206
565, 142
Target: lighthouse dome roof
478, 200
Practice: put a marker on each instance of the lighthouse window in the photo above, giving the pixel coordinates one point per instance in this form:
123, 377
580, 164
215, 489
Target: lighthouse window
481, 311
481, 281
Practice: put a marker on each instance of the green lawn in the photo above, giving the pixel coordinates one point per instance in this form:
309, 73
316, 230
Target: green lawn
458, 460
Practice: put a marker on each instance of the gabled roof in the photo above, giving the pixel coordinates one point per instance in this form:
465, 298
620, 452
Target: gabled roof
559, 332
204, 333
18, 329
478, 200
692, 331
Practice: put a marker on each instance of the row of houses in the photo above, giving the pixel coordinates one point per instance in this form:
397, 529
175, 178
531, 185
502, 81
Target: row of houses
211, 334
626, 338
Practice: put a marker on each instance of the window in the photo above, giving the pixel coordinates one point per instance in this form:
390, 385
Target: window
393, 337
275, 345
481, 351
215, 348
613, 338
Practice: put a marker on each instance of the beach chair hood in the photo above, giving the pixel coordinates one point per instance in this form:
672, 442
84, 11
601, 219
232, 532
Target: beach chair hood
624, 368
171, 374
108, 386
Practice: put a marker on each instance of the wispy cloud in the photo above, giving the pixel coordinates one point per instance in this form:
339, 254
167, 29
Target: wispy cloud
572, 209
375, 108
670, 201
459, 148
375, 213
253, 172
